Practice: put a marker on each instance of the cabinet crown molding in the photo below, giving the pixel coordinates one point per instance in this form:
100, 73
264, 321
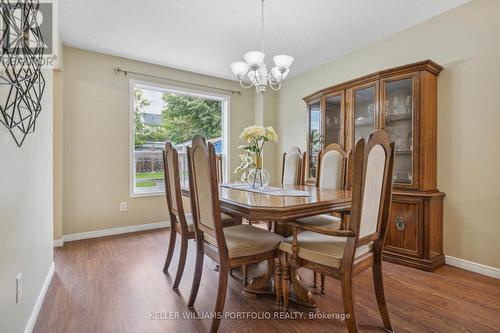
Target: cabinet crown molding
427, 65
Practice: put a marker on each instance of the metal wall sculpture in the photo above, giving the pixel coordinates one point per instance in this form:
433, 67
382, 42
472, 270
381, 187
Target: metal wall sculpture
21, 81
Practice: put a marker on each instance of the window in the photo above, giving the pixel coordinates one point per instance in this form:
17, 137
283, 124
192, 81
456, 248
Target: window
159, 114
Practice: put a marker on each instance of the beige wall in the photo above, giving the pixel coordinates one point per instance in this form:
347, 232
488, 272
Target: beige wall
58, 154
265, 115
466, 42
96, 140
25, 216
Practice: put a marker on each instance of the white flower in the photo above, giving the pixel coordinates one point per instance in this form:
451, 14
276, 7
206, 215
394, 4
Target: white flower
253, 133
271, 134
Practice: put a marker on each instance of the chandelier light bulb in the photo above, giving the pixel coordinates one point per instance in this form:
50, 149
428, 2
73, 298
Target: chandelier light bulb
282, 61
239, 68
279, 74
254, 59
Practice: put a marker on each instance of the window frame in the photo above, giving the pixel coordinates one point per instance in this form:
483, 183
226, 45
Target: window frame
226, 102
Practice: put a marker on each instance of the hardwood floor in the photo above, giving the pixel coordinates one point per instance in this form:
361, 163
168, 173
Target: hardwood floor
114, 284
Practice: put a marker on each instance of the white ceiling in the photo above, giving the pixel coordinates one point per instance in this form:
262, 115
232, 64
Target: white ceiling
206, 36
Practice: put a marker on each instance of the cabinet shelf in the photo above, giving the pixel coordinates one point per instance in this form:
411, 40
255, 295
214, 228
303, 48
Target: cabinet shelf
397, 117
364, 122
402, 180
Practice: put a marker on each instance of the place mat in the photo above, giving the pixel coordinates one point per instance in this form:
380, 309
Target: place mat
269, 190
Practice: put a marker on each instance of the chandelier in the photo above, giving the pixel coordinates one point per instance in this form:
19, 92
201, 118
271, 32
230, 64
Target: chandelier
253, 72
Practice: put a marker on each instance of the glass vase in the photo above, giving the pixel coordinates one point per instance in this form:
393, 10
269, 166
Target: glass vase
258, 177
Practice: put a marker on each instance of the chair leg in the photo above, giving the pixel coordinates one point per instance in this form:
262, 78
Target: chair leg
347, 297
221, 298
171, 247
379, 292
285, 282
182, 262
198, 270
277, 280
322, 284
315, 282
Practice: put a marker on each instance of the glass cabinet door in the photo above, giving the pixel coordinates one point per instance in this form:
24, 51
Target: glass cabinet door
314, 139
398, 115
365, 103
333, 119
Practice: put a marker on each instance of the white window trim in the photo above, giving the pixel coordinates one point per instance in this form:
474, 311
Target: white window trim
226, 102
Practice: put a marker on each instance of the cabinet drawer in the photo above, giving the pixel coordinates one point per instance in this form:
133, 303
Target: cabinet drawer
405, 228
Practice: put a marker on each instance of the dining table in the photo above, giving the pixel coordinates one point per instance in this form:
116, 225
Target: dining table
280, 207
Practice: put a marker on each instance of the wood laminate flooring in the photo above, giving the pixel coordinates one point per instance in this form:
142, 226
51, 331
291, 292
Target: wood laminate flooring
116, 284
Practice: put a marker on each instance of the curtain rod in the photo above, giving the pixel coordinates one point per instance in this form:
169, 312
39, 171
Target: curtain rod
118, 70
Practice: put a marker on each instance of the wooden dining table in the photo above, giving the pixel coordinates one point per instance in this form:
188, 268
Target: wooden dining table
254, 206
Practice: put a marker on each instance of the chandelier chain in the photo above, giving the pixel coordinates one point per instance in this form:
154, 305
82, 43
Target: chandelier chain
262, 26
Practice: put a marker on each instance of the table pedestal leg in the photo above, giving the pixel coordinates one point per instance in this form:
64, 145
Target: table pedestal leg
262, 284
300, 295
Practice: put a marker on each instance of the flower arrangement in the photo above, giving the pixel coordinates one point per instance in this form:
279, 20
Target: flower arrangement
254, 138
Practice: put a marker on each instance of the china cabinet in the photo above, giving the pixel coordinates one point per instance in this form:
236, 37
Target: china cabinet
402, 101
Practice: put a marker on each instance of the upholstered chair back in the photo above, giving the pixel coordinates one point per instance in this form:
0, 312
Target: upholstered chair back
372, 193
292, 173
373, 167
332, 163
172, 182
204, 187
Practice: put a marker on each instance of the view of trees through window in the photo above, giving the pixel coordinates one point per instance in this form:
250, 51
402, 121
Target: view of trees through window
160, 116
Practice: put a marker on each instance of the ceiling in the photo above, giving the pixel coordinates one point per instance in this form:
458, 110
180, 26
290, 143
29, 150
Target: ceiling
206, 36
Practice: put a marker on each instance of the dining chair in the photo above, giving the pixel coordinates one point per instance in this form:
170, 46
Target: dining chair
181, 222
332, 174
230, 247
238, 220
342, 254
292, 172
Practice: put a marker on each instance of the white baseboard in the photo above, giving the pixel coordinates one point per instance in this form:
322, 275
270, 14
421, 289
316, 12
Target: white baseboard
114, 231
473, 267
58, 242
38, 304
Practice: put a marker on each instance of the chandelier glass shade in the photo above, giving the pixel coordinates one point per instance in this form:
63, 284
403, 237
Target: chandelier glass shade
253, 71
